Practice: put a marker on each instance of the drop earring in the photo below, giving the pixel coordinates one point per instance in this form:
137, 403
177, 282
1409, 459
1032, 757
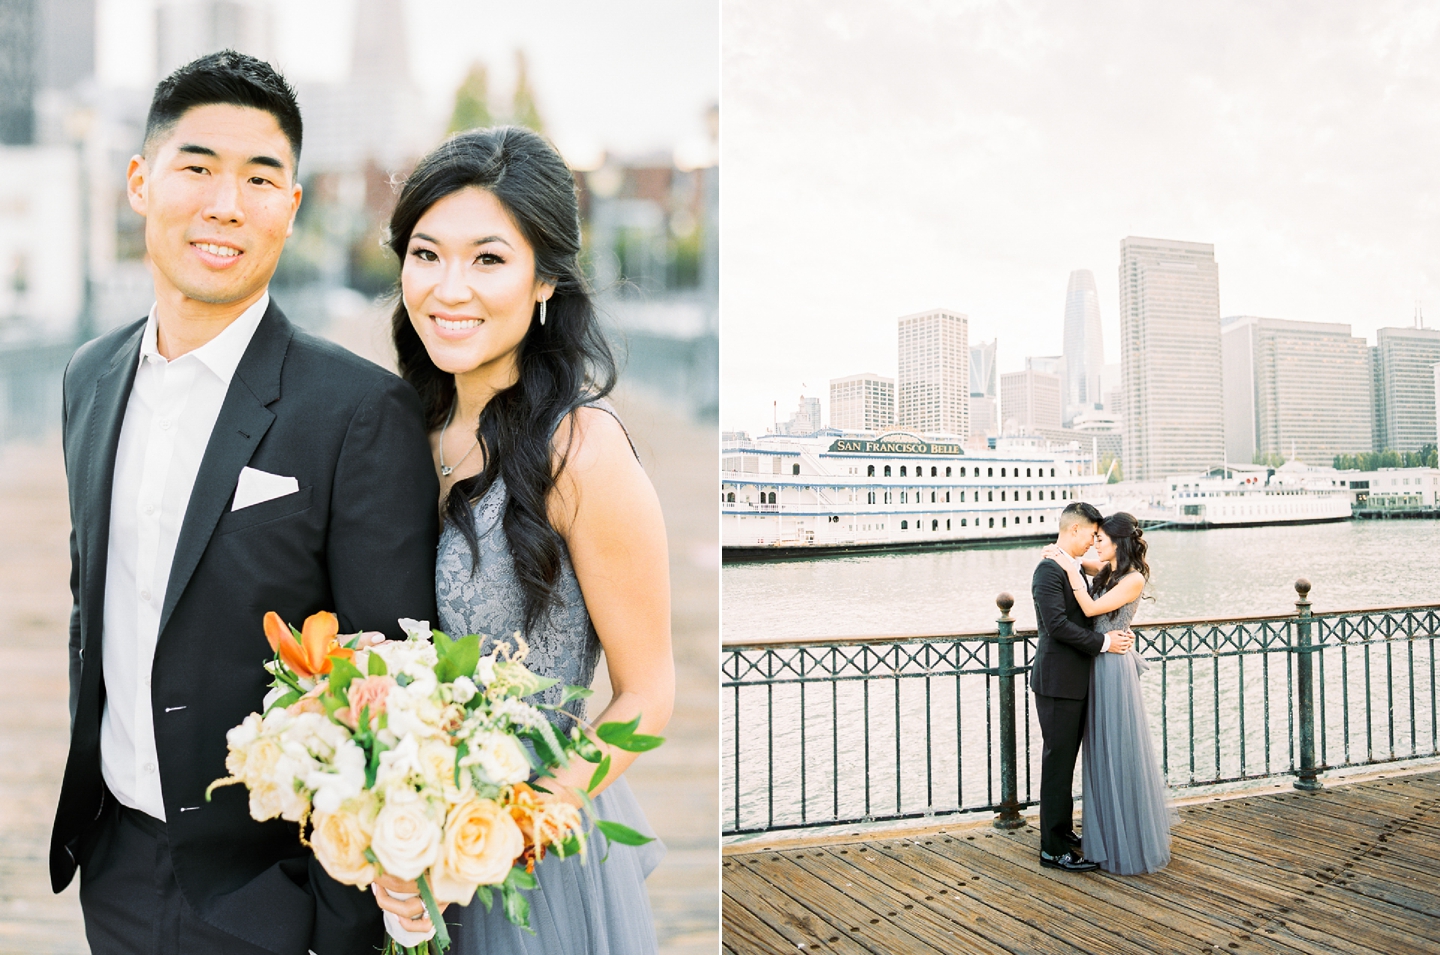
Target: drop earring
542, 311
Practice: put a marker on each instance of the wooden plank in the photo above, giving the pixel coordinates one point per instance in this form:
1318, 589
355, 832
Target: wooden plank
942, 905
754, 927
1055, 902
841, 912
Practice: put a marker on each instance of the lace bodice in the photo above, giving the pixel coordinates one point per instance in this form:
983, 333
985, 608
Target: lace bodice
1118, 619
490, 602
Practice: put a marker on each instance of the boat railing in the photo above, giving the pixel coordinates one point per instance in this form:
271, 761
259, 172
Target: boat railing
825, 732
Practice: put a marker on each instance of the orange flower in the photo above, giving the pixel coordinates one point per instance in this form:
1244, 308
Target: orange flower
311, 655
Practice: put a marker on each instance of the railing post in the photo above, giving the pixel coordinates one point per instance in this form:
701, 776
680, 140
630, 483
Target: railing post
1009, 815
1308, 779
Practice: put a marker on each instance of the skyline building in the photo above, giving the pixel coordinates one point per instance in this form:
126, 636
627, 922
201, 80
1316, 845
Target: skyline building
932, 389
1084, 347
1294, 389
1031, 401
864, 402
186, 29
1402, 373
984, 392
1170, 357
805, 420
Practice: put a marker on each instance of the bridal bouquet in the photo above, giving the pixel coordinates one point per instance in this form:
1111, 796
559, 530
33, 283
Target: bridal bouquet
408, 759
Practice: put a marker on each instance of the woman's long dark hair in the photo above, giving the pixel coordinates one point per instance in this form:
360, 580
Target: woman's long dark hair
1130, 548
563, 364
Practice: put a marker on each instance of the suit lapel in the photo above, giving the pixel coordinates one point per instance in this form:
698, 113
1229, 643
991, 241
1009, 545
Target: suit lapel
244, 418
107, 415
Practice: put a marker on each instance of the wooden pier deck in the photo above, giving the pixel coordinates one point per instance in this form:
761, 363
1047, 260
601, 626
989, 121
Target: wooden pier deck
1353, 869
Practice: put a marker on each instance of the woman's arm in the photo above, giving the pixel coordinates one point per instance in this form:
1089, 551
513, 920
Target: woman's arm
606, 509
1125, 590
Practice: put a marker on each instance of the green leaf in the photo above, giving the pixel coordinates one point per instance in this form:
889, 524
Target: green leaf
542, 746
342, 671
283, 674
519, 681
617, 733
621, 833
585, 747
486, 896
442, 935
377, 665
601, 772
517, 907
284, 701
460, 753
296, 634
575, 693
458, 659
519, 878
640, 743
442, 643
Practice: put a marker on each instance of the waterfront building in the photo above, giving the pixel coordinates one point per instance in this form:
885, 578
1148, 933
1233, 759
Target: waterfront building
1170, 357
1031, 401
863, 402
1395, 488
1299, 390
1084, 348
932, 392
1403, 376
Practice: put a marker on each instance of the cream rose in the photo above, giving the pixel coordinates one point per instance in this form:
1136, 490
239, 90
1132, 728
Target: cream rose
480, 845
406, 840
501, 758
340, 840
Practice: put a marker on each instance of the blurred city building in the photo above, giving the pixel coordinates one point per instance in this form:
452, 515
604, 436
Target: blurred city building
1170, 357
932, 393
1402, 364
864, 402
1031, 401
1084, 347
186, 29
805, 420
1293, 390
984, 394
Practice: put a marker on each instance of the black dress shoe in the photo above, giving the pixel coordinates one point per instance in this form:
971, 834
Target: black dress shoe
1072, 840
1069, 862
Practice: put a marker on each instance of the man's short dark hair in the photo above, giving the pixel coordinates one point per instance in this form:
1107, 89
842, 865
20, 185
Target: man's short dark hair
228, 78
1079, 512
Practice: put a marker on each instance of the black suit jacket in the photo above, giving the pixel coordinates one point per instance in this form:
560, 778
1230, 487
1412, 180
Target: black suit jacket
358, 539
1067, 647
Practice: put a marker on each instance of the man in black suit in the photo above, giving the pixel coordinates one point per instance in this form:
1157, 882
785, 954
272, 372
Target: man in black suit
221, 464
1060, 679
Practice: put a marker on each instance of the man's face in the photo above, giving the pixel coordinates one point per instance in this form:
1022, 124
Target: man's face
1078, 538
219, 198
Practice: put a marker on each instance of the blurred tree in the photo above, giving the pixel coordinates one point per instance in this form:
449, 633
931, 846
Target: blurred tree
472, 101
1271, 460
1117, 475
523, 111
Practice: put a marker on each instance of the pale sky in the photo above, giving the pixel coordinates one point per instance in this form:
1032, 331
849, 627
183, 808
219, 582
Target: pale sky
888, 156
631, 75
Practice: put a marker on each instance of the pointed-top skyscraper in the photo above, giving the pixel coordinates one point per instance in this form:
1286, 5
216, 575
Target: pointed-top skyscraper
1084, 350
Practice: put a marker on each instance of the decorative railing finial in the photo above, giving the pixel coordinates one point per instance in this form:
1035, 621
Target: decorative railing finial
1302, 587
1004, 601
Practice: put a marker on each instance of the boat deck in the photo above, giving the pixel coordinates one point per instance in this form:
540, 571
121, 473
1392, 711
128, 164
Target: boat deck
1351, 869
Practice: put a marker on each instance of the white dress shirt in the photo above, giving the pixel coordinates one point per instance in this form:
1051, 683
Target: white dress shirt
171, 412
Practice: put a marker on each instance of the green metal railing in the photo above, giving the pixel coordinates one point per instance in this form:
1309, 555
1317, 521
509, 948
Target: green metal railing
871, 729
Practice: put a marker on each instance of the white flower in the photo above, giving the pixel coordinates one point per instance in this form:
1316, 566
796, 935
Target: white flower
406, 840
415, 629
241, 736
516, 711
501, 758
343, 779
397, 764
485, 670
463, 690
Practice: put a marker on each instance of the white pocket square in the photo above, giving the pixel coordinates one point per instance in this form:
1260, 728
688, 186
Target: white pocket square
257, 487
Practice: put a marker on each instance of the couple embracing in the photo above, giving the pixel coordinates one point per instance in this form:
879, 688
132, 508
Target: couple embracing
222, 464
1086, 680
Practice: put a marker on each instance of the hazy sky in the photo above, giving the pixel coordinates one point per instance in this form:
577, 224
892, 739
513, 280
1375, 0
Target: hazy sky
880, 158
633, 75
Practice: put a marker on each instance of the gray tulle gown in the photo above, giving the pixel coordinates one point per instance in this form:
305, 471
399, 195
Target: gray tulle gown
584, 907
1127, 816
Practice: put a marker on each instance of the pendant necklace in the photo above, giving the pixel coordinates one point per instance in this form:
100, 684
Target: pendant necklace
444, 470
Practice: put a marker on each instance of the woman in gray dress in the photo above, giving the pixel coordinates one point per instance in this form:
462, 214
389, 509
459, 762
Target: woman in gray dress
1126, 813
552, 530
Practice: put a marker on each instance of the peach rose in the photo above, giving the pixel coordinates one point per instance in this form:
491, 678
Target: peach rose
340, 840
406, 840
481, 843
